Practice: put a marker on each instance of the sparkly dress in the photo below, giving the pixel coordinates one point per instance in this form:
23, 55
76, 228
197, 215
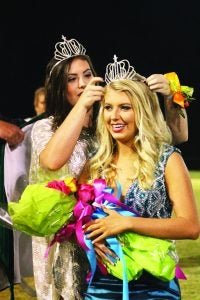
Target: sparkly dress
63, 271
152, 203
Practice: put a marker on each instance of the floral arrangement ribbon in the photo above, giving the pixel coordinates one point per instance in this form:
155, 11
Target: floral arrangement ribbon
182, 95
52, 208
138, 252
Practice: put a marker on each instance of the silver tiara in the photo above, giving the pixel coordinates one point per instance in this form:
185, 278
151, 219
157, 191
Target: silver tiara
67, 49
121, 70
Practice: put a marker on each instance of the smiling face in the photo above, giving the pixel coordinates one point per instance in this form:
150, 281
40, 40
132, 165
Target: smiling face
79, 74
119, 116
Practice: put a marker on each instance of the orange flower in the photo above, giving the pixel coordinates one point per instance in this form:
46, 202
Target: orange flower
179, 99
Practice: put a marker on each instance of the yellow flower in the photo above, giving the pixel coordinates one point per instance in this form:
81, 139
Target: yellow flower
71, 183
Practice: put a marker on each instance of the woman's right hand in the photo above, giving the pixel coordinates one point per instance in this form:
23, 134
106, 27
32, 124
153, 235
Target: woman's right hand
92, 93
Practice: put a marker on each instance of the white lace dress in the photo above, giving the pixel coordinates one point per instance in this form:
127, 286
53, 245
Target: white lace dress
64, 271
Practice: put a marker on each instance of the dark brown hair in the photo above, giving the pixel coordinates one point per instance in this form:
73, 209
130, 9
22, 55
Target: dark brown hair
55, 84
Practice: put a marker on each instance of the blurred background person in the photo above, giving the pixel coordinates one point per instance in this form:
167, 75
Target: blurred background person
39, 100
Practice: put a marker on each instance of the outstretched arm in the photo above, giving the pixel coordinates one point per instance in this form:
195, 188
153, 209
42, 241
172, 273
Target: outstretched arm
178, 125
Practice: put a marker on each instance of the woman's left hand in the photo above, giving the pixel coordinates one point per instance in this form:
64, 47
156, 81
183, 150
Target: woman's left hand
159, 84
103, 253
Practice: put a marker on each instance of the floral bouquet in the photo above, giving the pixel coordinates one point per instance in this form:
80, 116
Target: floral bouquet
44, 208
60, 209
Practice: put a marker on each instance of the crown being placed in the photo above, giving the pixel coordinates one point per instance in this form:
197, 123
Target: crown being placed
121, 70
67, 49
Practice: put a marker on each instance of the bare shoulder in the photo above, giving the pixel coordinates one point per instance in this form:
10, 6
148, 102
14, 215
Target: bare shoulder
176, 170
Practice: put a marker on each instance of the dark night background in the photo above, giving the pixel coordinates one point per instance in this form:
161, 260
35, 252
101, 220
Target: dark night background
156, 36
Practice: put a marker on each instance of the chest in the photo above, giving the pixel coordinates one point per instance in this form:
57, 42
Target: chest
124, 177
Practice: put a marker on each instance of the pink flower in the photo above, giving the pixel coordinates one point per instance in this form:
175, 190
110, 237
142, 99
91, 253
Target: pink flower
86, 193
59, 185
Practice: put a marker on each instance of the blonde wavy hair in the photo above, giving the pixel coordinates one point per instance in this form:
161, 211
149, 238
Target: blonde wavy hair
153, 133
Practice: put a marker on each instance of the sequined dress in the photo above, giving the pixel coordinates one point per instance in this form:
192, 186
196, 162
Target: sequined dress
64, 270
152, 203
